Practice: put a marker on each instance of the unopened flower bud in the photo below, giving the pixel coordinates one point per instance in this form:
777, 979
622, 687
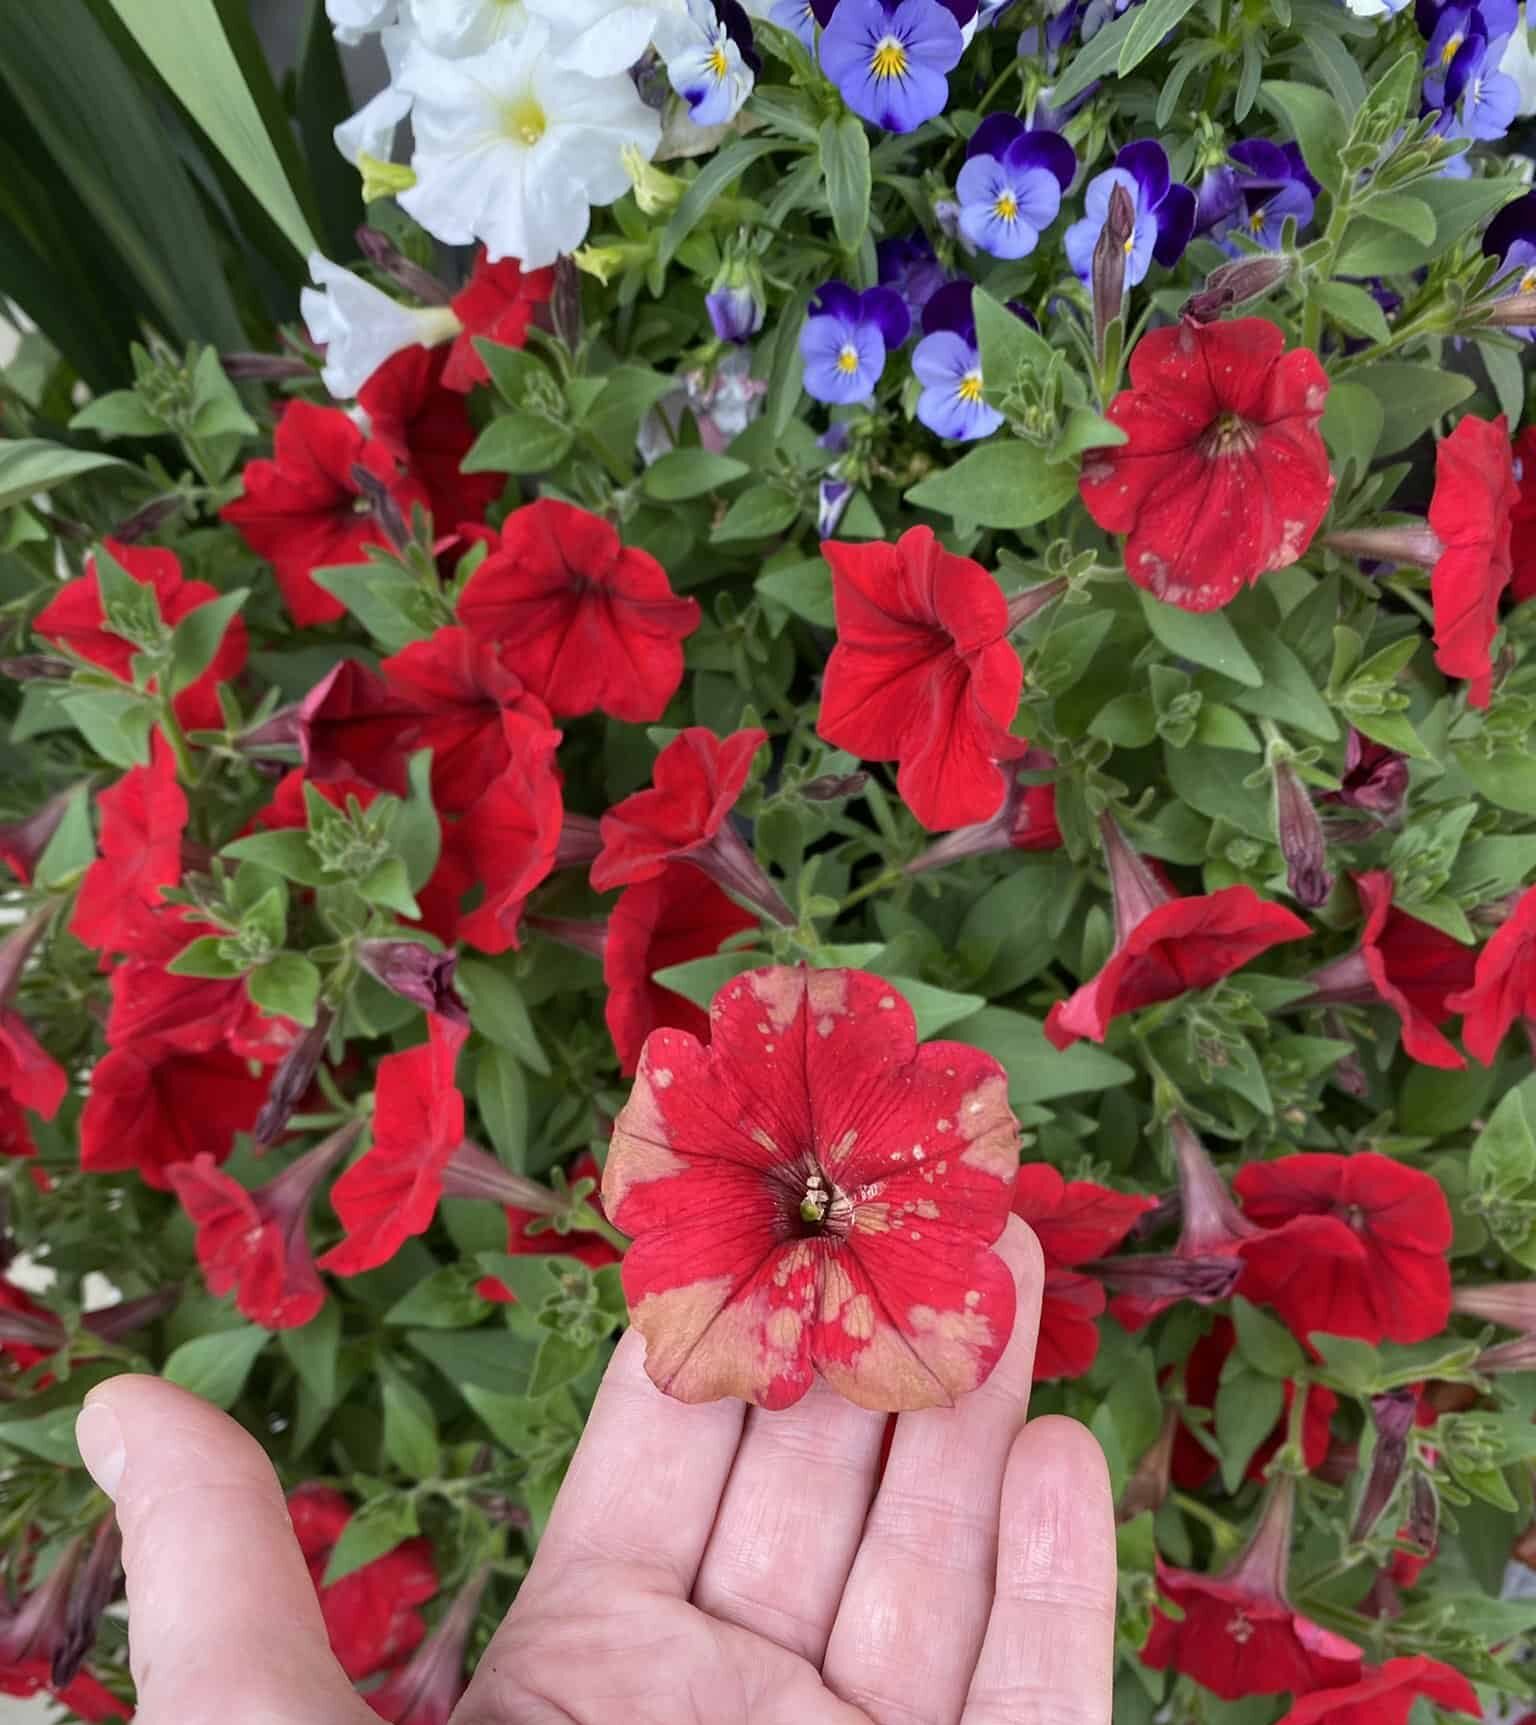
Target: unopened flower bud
1375, 778
383, 179
1419, 546
1301, 835
1235, 284
143, 522
382, 252
415, 972
386, 511
833, 495
1512, 311
834, 787
1107, 273
264, 367
292, 1079
1392, 1414
736, 300
23, 842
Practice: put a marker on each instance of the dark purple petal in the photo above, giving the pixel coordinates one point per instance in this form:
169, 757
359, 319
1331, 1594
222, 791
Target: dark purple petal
885, 309
1216, 198
962, 11
1299, 169
1175, 218
1048, 150
950, 308
823, 9
1261, 158
835, 299
1467, 65
739, 28
994, 135
1146, 162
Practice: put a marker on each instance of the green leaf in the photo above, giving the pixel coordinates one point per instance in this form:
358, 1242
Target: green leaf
43, 1422
700, 978
490, 1359
117, 726
215, 1367
206, 957
1504, 1153
73, 845
559, 1361
1007, 483
512, 369
119, 413
1008, 346
389, 886
377, 1527
497, 1012
196, 637
1108, 50
530, 1276
1206, 637
845, 163
445, 1300
1037, 1072
804, 588
935, 1009
286, 986
1432, 1104
1352, 424
1315, 120
684, 473
728, 165
1353, 308
1507, 778
1412, 398
1149, 25
1459, 206
1287, 693
29, 465
501, 1094
1408, 214
410, 1427
519, 443
1506, 372
758, 513
1248, 1407
287, 852
1264, 1343
1377, 249
312, 1351
416, 833
385, 600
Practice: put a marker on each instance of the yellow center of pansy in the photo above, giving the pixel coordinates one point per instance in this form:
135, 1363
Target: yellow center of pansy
848, 359
717, 62
890, 58
1006, 209
970, 387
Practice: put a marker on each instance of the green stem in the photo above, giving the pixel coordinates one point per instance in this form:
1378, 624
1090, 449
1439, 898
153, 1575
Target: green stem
594, 1222
886, 878
180, 747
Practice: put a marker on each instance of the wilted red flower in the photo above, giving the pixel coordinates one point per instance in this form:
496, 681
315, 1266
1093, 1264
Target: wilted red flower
1503, 983
1469, 513
1239, 1634
1025, 822
661, 922
254, 1242
594, 1250
923, 674
20, 1314
1386, 1695
510, 838
1523, 518
1073, 1221
1165, 946
1402, 963
425, 426
1225, 475
497, 303
152, 1105
1375, 778
391, 1192
814, 1192
416, 973
143, 817
1193, 1464
685, 817
1372, 1234
589, 624
426, 1689
370, 1615
76, 619
23, 842
304, 509
46, 1634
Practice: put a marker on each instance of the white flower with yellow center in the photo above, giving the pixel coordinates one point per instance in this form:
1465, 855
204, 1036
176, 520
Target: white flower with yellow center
361, 327
513, 149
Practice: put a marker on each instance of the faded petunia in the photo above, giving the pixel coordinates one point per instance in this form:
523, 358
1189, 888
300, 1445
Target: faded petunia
1224, 474
892, 63
923, 674
814, 1193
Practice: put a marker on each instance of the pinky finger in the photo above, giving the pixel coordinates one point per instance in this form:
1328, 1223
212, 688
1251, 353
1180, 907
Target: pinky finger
1049, 1648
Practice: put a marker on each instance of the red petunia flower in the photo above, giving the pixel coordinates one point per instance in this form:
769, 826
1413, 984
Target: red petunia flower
1523, 519
85, 1696
813, 1192
665, 921
29, 1075
923, 674
1025, 822
1165, 946
370, 1615
1372, 1234
1402, 963
498, 303
1193, 1464
1224, 475
25, 1314
16, 1136
1386, 1696
1239, 1634
143, 817
685, 817
1475, 491
427, 1689
425, 426
254, 1243
391, 1192
594, 1250
152, 1105
589, 624
304, 509
510, 839
76, 619
1073, 1221
1503, 986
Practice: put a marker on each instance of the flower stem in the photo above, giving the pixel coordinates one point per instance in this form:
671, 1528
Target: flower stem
886, 878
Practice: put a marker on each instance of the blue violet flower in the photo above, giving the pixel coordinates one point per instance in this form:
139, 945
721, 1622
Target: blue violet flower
845, 339
892, 64
1011, 186
1164, 213
947, 363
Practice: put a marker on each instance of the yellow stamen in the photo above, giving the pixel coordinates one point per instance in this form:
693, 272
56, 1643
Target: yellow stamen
1130, 242
890, 58
1528, 282
1256, 220
970, 387
848, 360
716, 61
1448, 52
525, 120
1006, 209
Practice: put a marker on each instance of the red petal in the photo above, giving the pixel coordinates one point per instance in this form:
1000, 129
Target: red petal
1470, 512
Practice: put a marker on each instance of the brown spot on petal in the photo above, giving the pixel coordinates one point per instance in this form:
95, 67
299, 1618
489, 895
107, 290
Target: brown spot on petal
702, 1343
858, 1318
638, 1150
990, 1130
872, 1218
836, 1290
826, 993
779, 991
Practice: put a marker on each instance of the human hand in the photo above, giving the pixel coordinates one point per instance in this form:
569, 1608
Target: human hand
713, 1564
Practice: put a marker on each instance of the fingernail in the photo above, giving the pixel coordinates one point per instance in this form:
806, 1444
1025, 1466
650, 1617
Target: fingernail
99, 1438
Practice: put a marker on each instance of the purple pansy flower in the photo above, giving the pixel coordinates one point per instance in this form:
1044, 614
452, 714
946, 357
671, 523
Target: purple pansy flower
1010, 188
1511, 237
845, 339
1164, 213
948, 365
906, 264
1462, 80
735, 301
891, 64
1269, 183
834, 493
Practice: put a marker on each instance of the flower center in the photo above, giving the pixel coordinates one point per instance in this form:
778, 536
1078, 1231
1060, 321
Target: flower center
969, 388
1240, 1629
889, 59
1228, 434
525, 120
716, 61
1448, 52
824, 1207
1006, 209
848, 359
1527, 282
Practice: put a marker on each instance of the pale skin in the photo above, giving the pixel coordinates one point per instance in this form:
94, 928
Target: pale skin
708, 1565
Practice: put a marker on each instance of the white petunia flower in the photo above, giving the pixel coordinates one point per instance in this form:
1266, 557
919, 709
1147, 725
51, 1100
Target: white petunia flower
704, 64
1519, 63
600, 38
360, 327
457, 29
371, 130
352, 20
514, 150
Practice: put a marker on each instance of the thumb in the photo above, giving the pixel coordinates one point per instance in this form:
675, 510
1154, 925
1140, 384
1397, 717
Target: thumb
223, 1619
